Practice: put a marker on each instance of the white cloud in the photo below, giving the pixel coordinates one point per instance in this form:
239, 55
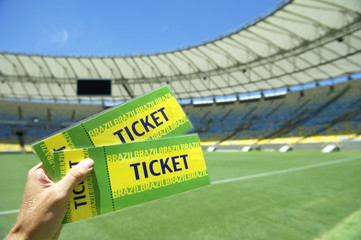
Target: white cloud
59, 36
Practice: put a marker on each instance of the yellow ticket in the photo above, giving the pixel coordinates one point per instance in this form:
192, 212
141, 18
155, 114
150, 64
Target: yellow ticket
128, 174
151, 116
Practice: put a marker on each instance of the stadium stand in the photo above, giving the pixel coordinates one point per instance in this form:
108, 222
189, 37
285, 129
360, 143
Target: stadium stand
36, 120
322, 114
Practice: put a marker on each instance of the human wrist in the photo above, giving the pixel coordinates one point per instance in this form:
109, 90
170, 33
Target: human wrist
17, 232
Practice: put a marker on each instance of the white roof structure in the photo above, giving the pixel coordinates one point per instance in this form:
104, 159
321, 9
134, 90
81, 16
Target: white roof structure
302, 41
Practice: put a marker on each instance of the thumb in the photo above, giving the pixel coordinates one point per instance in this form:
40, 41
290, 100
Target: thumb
76, 175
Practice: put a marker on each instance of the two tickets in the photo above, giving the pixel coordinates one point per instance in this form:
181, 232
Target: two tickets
139, 152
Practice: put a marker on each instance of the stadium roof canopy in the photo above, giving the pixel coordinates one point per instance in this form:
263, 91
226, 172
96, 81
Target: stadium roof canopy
302, 41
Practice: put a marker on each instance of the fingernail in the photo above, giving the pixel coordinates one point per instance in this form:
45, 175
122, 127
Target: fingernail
89, 163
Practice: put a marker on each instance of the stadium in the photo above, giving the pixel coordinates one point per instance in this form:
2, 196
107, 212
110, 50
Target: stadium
277, 107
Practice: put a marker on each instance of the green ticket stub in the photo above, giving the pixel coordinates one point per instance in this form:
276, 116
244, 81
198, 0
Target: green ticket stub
129, 174
151, 116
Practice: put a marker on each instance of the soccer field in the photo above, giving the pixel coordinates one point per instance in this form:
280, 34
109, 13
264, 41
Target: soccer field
255, 195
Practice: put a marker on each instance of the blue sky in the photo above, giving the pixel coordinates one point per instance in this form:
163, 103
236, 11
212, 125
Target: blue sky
119, 27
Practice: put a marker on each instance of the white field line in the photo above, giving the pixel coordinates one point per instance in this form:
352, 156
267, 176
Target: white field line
10, 212
285, 170
252, 176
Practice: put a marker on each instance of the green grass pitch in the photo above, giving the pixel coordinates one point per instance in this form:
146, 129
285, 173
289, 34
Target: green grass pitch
318, 201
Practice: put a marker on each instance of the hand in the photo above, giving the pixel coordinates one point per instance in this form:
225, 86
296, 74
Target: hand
45, 202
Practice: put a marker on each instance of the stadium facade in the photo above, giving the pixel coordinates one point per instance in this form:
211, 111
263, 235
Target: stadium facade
261, 84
